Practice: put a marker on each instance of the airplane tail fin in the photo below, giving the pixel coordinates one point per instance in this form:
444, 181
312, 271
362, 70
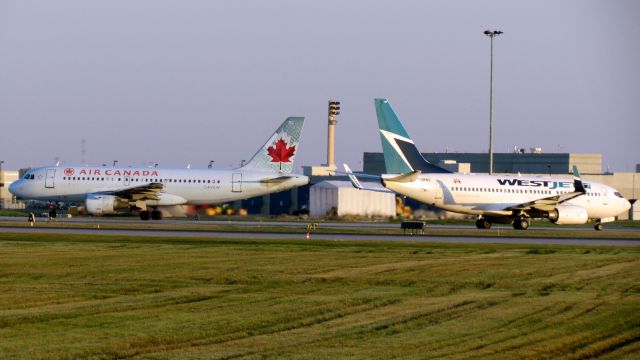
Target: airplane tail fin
278, 153
400, 153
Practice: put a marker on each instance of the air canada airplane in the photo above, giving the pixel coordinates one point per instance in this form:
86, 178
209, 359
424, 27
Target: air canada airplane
493, 198
108, 190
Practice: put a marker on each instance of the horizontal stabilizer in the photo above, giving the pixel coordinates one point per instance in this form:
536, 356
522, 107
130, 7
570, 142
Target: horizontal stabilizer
405, 178
276, 180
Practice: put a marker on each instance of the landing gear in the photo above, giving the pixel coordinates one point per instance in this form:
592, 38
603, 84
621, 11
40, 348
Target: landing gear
598, 226
53, 214
521, 223
144, 215
483, 224
156, 215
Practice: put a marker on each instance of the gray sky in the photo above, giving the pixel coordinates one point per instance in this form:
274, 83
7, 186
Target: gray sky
180, 82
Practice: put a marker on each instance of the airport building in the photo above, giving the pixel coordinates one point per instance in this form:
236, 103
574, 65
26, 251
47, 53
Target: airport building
340, 198
534, 162
7, 200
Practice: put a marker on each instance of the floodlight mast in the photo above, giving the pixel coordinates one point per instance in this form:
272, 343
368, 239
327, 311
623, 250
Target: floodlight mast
334, 110
491, 34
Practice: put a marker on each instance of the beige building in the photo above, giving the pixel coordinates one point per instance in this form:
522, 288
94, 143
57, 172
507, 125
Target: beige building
7, 200
628, 184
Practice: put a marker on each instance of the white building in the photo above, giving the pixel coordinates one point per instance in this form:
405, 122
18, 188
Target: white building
326, 196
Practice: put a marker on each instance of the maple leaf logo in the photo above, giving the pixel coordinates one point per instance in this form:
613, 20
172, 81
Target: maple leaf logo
68, 171
281, 152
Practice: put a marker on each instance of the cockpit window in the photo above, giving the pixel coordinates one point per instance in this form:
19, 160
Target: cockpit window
26, 177
32, 176
618, 195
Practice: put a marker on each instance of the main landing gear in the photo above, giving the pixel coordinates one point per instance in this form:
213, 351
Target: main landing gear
598, 226
154, 214
521, 223
483, 224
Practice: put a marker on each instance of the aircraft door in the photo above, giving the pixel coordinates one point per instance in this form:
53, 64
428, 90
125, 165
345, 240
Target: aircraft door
438, 195
50, 178
236, 182
605, 197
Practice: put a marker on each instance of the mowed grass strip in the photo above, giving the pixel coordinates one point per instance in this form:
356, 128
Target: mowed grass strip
616, 231
77, 296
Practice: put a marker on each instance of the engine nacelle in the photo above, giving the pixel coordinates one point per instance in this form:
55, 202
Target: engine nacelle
569, 215
104, 204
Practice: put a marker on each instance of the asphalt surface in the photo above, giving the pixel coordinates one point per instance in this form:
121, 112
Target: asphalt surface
292, 224
335, 237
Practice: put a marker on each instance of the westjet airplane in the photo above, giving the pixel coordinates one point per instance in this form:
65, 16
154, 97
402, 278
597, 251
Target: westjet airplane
493, 198
108, 190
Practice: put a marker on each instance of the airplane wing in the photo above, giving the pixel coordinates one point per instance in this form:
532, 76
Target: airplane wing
549, 203
139, 192
356, 183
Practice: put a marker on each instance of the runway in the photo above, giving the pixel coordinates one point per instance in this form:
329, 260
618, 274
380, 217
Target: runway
329, 237
294, 224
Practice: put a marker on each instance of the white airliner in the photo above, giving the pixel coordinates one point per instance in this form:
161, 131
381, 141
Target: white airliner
494, 198
108, 190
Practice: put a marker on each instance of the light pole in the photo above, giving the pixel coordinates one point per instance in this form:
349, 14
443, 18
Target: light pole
492, 35
1, 183
334, 111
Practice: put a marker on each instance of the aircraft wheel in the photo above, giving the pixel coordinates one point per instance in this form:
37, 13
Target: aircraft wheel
523, 224
53, 214
483, 224
144, 215
598, 227
156, 215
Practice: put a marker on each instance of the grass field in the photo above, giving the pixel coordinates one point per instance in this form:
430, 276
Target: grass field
156, 298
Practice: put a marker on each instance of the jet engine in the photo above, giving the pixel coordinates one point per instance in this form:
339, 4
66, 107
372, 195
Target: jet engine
568, 215
104, 204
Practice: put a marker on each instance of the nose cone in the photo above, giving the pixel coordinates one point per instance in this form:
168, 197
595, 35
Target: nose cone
14, 188
626, 205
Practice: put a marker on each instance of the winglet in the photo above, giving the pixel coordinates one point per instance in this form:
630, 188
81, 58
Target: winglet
356, 183
577, 181
354, 180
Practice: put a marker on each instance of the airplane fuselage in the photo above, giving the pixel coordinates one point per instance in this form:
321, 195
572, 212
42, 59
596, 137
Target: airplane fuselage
179, 186
490, 195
